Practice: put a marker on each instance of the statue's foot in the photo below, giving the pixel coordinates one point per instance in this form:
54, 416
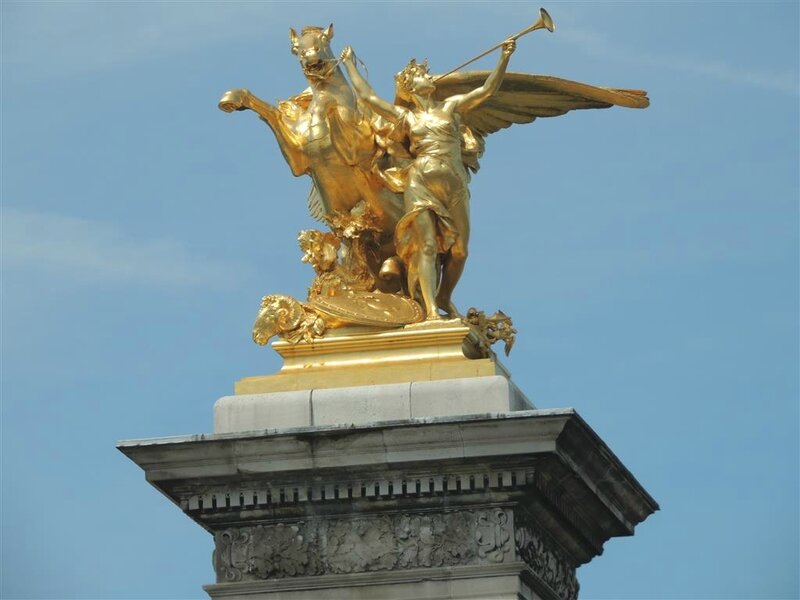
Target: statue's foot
449, 309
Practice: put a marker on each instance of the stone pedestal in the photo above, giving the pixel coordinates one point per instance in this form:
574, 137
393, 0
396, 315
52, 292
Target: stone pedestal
368, 404
426, 487
482, 506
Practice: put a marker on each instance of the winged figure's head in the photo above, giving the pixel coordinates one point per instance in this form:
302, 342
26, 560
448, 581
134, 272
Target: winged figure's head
414, 79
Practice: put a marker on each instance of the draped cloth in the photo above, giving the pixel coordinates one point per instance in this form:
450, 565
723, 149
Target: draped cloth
435, 180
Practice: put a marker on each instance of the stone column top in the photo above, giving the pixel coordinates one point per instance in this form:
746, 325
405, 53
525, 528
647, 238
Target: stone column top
582, 467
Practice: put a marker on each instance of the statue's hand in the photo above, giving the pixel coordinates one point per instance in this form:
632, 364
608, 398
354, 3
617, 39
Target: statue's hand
234, 100
347, 54
508, 47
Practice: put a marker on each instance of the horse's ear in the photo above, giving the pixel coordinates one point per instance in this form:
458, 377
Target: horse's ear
328, 33
293, 39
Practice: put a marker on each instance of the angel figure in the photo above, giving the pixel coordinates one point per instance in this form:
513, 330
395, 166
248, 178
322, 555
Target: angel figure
435, 182
442, 122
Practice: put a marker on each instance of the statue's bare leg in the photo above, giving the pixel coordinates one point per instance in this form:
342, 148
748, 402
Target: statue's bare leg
453, 268
412, 278
454, 260
426, 259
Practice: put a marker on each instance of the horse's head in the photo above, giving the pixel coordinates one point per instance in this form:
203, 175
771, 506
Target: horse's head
313, 48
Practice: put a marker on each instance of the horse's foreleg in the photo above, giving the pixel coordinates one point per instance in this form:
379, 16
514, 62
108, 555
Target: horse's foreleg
289, 142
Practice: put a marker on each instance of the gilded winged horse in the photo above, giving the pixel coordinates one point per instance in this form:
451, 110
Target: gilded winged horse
368, 157
323, 133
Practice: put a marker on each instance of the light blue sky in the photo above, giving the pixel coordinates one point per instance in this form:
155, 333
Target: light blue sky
649, 260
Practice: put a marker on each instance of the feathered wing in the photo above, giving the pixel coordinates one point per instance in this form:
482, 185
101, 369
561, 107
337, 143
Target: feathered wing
316, 205
523, 98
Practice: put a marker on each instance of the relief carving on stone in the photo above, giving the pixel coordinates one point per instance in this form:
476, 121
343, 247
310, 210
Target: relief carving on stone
362, 544
551, 567
493, 535
359, 545
438, 540
260, 552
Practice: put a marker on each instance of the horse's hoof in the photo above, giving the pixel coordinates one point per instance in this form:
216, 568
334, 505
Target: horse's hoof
391, 269
232, 100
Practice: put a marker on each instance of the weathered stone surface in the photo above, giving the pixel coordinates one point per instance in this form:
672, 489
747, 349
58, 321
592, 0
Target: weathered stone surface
515, 500
392, 542
475, 395
360, 544
361, 405
413, 584
367, 404
549, 564
278, 410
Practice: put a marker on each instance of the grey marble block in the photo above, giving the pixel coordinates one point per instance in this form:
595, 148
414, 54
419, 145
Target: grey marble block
368, 404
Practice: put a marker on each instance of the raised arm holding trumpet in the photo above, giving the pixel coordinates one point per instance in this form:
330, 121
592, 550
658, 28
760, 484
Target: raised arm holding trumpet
432, 236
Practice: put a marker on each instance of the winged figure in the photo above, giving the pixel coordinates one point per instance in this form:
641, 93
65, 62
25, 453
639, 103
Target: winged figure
391, 179
438, 135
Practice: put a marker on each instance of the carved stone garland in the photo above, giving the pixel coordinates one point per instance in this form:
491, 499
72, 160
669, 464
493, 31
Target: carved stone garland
380, 543
389, 542
551, 567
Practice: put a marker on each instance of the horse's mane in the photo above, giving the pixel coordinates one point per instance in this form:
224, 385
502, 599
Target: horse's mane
312, 29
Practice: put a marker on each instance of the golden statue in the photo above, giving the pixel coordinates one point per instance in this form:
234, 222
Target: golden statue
322, 133
435, 227
390, 179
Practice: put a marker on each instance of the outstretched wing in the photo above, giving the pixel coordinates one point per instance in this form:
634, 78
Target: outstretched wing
523, 97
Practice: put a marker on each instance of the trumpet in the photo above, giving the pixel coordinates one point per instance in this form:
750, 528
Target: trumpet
543, 22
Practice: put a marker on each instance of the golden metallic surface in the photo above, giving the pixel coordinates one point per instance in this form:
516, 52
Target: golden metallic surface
543, 22
288, 318
432, 236
360, 356
493, 328
391, 182
369, 308
322, 133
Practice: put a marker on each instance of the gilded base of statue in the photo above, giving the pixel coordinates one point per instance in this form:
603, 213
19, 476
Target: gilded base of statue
353, 356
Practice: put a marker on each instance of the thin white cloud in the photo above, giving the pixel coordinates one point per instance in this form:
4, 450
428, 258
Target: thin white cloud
100, 252
596, 43
44, 40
